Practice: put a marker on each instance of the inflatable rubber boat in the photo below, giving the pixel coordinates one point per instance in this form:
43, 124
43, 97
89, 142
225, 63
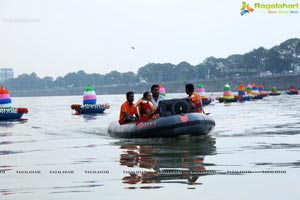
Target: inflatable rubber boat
176, 119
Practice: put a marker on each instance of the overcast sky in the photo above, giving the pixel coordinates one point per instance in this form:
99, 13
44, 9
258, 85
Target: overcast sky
54, 37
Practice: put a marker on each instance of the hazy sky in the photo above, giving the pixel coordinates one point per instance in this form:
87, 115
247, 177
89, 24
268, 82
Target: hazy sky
54, 37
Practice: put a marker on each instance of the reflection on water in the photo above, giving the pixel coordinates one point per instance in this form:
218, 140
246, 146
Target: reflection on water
287, 164
12, 122
180, 160
89, 117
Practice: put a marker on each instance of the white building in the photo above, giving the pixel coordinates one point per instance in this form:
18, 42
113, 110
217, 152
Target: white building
6, 73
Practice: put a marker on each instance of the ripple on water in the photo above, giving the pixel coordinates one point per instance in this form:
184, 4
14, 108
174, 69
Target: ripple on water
15, 142
81, 188
11, 123
6, 167
7, 152
6, 134
263, 146
86, 160
57, 189
286, 164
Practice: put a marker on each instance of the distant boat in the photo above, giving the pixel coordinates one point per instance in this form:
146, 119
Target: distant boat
12, 114
89, 108
7, 112
274, 91
227, 95
89, 103
292, 91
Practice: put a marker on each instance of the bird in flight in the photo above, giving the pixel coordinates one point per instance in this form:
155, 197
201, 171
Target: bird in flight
132, 47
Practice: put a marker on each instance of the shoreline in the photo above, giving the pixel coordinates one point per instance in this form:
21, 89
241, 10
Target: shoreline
282, 83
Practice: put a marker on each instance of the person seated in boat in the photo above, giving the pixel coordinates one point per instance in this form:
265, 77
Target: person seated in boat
155, 98
145, 108
128, 112
194, 97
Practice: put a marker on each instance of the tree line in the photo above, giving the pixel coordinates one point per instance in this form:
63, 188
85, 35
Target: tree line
283, 58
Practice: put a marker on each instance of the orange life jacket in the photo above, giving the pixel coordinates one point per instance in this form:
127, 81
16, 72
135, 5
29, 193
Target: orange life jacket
197, 102
142, 113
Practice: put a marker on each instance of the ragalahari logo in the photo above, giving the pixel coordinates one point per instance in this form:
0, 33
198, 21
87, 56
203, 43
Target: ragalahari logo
246, 8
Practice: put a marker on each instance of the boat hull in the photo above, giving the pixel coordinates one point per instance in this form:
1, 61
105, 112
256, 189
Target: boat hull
90, 110
10, 116
224, 100
292, 93
206, 102
170, 126
257, 97
274, 94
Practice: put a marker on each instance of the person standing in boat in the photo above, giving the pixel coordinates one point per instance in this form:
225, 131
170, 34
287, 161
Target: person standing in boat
145, 108
128, 112
194, 97
155, 95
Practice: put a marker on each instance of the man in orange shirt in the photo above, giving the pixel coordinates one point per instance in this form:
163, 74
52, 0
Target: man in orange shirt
194, 97
128, 110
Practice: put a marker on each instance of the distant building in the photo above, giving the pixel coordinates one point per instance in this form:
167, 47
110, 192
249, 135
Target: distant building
266, 73
6, 73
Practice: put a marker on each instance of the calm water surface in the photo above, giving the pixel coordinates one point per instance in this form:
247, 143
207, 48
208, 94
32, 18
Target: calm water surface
253, 153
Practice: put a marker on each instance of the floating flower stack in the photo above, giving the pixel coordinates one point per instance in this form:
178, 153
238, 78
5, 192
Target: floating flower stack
162, 91
241, 90
5, 100
89, 103
227, 92
292, 90
255, 92
89, 96
241, 94
7, 112
201, 91
261, 90
274, 91
249, 90
227, 95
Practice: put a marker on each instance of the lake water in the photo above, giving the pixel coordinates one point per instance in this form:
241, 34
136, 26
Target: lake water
253, 153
